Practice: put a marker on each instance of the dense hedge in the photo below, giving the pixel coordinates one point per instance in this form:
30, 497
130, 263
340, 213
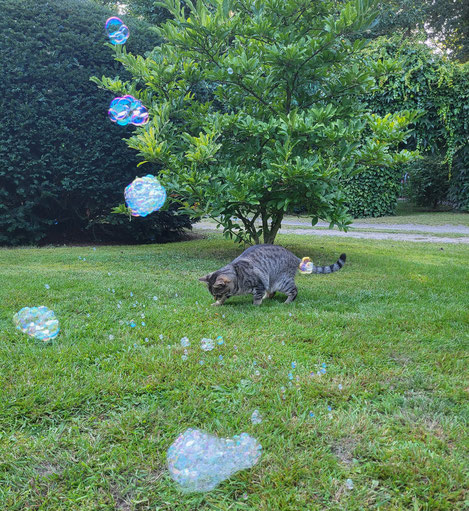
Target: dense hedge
63, 164
373, 192
439, 88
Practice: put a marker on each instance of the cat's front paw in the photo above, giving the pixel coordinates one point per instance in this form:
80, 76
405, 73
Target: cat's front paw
216, 303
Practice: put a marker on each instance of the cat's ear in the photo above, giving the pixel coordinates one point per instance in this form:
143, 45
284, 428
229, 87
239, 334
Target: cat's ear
222, 280
206, 278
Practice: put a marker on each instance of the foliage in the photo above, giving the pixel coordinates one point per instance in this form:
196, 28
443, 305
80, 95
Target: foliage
64, 165
373, 192
439, 90
445, 22
287, 124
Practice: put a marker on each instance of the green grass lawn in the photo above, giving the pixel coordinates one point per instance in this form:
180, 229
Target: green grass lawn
85, 421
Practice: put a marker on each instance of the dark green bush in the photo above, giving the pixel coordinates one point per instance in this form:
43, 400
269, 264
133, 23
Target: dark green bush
63, 164
429, 182
373, 192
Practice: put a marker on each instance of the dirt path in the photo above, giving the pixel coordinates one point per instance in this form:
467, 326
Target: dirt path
435, 233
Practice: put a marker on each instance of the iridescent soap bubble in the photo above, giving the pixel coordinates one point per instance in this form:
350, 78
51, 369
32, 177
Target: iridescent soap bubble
144, 195
116, 30
207, 344
128, 110
256, 417
38, 322
199, 461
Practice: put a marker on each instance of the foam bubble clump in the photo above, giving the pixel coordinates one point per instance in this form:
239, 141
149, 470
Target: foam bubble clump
144, 195
116, 30
207, 344
306, 265
128, 110
38, 322
198, 462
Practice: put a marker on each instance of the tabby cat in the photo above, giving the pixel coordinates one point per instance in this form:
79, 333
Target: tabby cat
261, 270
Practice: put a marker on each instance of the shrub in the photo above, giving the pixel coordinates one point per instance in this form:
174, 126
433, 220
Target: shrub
64, 165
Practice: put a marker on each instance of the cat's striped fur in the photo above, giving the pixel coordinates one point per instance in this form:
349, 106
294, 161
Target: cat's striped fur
261, 270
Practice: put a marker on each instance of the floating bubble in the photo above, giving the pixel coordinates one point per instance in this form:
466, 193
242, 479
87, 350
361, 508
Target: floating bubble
256, 417
38, 322
340, 386
111, 337
128, 110
116, 30
185, 342
207, 344
199, 461
184, 357
293, 364
133, 324
144, 196
349, 484
47, 286
220, 340
230, 71
306, 265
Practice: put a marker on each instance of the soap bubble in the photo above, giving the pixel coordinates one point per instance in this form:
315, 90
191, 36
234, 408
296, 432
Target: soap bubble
256, 417
38, 322
349, 484
230, 71
144, 195
127, 109
199, 461
207, 344
185, 342
306, 265
116, 30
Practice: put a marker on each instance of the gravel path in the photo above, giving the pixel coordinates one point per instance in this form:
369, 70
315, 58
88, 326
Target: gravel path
374, 234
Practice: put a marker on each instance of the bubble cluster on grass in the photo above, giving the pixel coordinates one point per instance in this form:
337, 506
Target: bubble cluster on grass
117, 32
128, 110
38, 322
207, 344
198, 461
144, 196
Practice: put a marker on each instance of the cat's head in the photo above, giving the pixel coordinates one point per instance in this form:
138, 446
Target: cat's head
220, 285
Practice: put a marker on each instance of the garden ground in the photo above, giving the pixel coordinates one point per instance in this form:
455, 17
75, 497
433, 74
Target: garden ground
86, 419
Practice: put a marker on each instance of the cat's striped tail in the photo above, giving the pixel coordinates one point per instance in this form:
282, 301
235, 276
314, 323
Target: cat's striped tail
330, 268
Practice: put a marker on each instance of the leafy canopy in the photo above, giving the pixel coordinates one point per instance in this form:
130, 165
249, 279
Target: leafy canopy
256, 108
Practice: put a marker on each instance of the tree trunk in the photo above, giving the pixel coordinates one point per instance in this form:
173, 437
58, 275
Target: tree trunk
270, 234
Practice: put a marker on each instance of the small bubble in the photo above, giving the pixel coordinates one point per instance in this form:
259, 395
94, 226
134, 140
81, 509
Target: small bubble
143, 323
235, 347
349, 484
269, 357
109, 273
133, 324
88, 315
184, 358
329, 408
323, 371
135, 345
222, 315
201, 362
293, 364
283, 343
340, 386
146, 339
185, 342
311, 414
111, 337
94, 249
196, 302
142, 315
84, 259
47, 286
118, 305
131, 294
113, 290
230, 71
257, 373
289, 313
220, 357
176, 295
220, 340
290, 376
256, 417
155, 298
161, 337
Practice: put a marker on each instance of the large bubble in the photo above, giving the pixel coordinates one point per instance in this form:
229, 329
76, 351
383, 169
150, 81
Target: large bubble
39, 322
199, 461
128, 110
116, 30
144, 195
306, 265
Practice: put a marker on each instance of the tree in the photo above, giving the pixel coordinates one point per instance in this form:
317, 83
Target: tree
286, 124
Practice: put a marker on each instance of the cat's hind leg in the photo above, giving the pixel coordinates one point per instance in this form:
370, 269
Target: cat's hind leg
269, 294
